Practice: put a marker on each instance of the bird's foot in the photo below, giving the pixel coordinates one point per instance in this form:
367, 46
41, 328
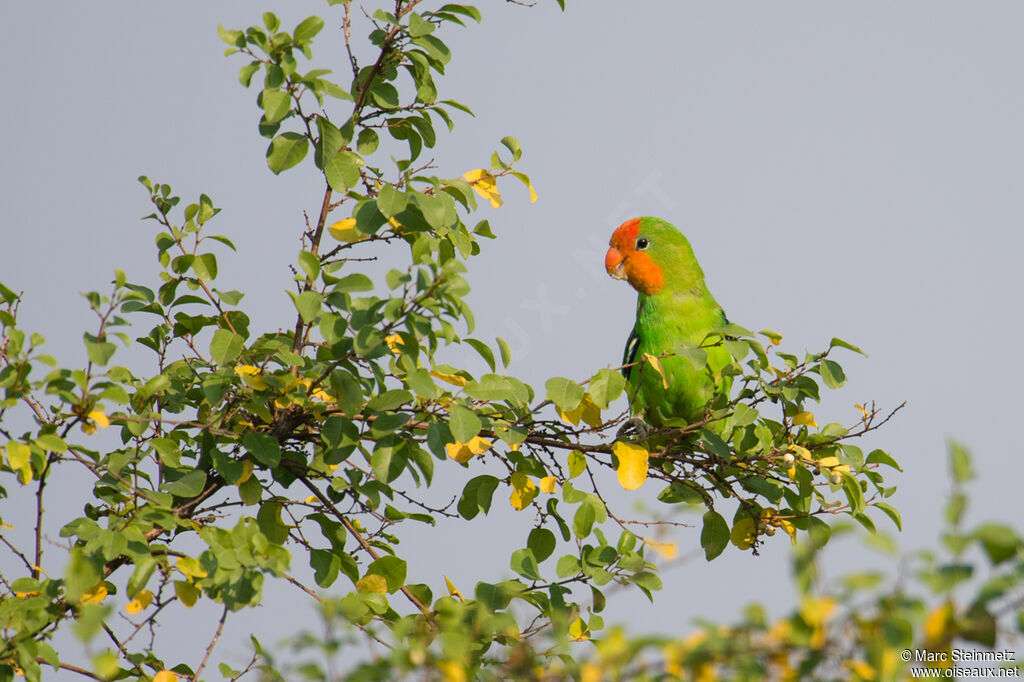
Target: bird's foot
634, 429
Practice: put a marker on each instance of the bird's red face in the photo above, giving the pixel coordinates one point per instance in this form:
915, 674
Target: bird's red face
627, 259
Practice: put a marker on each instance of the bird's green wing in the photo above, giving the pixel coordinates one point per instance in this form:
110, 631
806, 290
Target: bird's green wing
629, 354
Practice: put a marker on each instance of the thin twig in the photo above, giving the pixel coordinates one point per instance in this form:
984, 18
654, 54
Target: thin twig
213, 643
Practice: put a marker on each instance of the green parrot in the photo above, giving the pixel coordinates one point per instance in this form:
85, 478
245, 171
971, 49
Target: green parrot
673, 307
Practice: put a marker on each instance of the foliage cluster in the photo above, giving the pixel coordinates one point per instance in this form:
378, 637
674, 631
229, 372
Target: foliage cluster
239, 458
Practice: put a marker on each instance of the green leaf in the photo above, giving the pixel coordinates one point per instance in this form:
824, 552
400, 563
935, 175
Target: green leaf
328, 143
82, 574
477, 495
276, 104
367, 142
231, 37
286, 151
542, 543
606, 387
144, 568
205, 267
263, 447
892, 513
309, 304
99, 352
268, 518
999, 541
714, 536
854, 494
959, 462
391, 201
307, 29
342, 171
434, 47
325, 565
189, 485
525, 564
564, 393
225, 346
832, 374
389, 400
310, 264
418, 26
881, 457
51, 443
839, 343
246, 73
647, 582
385, 96
512, 144
506, 352
818, 531
356, 282
391, 568
464, 423
347, 391
583, 520
567, 566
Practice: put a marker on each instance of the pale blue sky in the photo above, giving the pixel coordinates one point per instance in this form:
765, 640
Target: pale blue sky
847, 170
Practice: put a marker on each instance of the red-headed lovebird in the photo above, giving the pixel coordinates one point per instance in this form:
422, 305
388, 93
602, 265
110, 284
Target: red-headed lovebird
674, 307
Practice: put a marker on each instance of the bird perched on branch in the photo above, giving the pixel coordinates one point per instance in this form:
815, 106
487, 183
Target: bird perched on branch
674, 307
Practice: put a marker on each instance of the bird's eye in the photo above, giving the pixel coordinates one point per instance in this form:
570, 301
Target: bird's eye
641, 244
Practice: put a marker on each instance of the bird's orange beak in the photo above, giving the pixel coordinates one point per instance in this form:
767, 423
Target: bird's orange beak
615, 263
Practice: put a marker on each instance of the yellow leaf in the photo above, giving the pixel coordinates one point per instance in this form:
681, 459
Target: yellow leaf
525, 179
95, 595
165, 676
251, 377
591, 672
99, 419
372, 583
452, 671
780, 632
186, 592
586, 410
452, 590
143, 599
523, 490
632, 464
861, 669
805, 419
345, 231
463, 452
247, 466
667, 550
863, 412
485, 185
190, 568
743, 533
938, 623
311, 499
656, 364
547, 484
800, 451
394, 343
828, 462
19, 459
578, 631
815, 611
453, 379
